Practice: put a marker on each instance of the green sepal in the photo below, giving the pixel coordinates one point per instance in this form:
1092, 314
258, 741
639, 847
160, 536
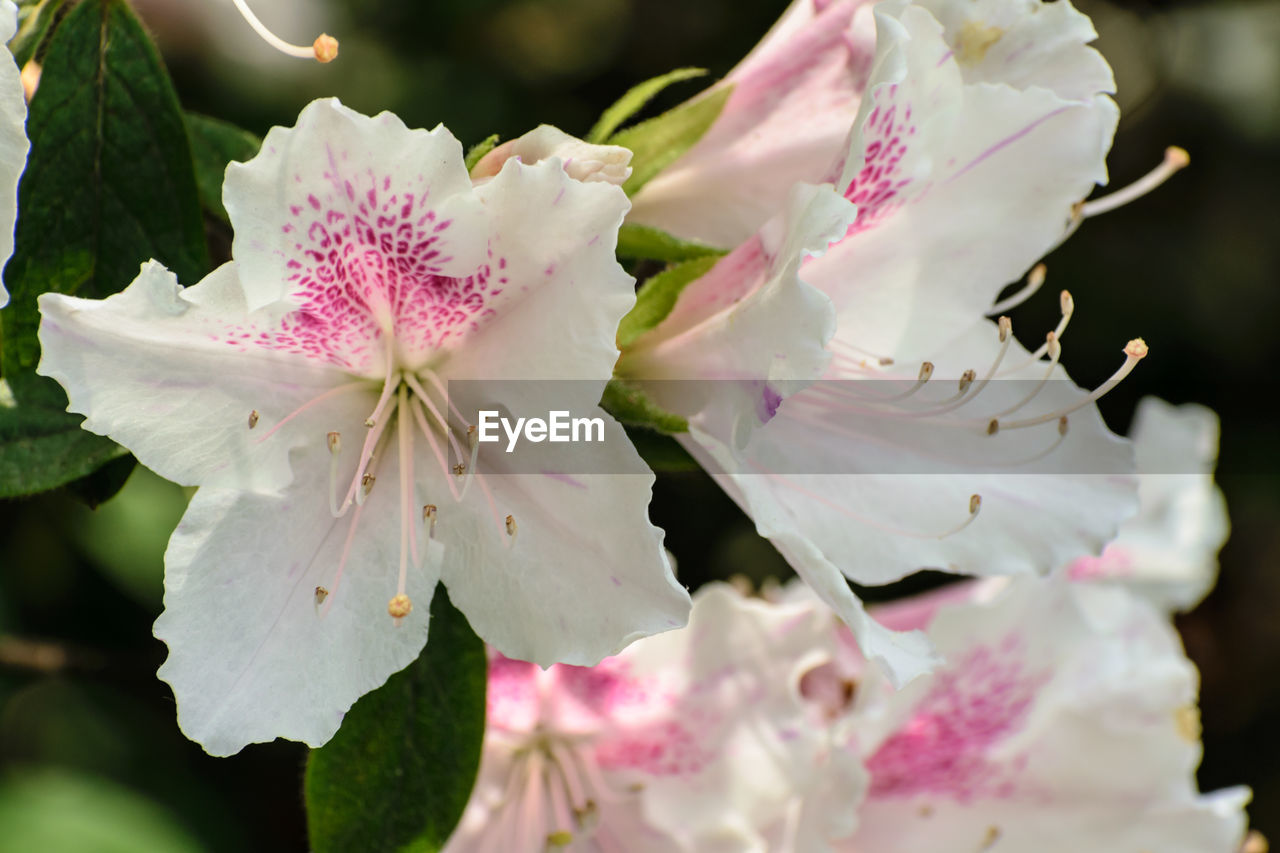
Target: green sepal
632, 408
641, 242
658, 142
635, 99
108, 184
398, 774
477, 151
658, 296
214, 144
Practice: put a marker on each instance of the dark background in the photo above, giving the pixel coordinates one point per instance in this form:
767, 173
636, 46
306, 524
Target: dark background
1193, 269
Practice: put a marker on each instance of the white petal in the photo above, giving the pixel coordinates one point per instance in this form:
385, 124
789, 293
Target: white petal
786, 121
755, 294
582, 161
1168, 551
340, 191
584, 575
173, 374
252, 655
1063, 722
13, 137
960, 188
562, 292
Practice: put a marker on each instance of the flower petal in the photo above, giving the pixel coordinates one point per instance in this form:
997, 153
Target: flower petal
13, 137
582, 161
341, 198
255, 652
173, 374
585, 573
785, 122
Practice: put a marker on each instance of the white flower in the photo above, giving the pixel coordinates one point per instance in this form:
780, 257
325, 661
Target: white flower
302, 387
1064, 720
981, 128
693, 740
13, 137
1168, 552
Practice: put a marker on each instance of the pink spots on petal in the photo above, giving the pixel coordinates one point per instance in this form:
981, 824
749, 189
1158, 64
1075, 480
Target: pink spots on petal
667, 748
945, 747
1115, 561
877, 187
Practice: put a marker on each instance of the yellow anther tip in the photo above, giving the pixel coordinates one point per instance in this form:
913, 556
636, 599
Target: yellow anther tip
400, 606
1136, 348
1177, 157
326, 48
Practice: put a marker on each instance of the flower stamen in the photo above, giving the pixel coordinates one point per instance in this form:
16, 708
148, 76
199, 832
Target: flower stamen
1134, 351
1035, 279
324, 49
1175, 160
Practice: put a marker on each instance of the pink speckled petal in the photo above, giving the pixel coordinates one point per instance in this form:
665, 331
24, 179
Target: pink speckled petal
556, 291
164, 370
787, 119
960, 187
252, 656
586, 574
13, 137
1064, 721
344, 211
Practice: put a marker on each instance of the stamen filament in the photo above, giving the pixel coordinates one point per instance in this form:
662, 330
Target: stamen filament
1068, 306
325, 48
1035, 279
365, 477
314, 401
408, 529
415, 406
1175, 160
1055, 355
1135, 351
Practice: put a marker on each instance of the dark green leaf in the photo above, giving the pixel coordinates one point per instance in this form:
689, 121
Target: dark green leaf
635, 99
108, 184
214, 144
658, 296
399, 772
632, 407
640, 242
34, 23
480, 149
656, 143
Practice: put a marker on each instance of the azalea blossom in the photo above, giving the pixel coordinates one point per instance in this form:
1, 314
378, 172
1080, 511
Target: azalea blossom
934, 438
1168, 552
1064, 720
692, 740
13, 137
302, 387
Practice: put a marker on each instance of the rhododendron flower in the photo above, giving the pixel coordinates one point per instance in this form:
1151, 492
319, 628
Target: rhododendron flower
302, 386
693, 740
13, 137
1168, 552
1064, 720
982, 126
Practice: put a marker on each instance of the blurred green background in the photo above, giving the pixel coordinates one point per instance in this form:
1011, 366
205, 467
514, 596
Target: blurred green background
90, 756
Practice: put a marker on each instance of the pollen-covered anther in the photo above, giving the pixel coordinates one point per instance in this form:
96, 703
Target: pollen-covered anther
1136, 349
966, 379
253, 419
512, 529
460, 469
366, 483
926, 371
321, 595
325, 48
399, 607
429, 513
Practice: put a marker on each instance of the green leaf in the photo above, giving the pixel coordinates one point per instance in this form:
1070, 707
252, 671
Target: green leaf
658, 296
109, 183
633, 408
657, 143
42, 448
640, 242
635, 99
399, 772
214, 144
477, 151
34, 23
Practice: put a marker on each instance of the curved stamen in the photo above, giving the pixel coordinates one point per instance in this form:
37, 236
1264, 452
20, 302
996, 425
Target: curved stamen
422, 394
1134, 351
1035, 279
1175, 160
324, 49
1067, 304
1055, 355
362, 484
415, 406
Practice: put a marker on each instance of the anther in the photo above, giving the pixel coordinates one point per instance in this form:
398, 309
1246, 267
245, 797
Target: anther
1255, 842
512, 530
366, 484
926, 370
993, 426
992, 836
1062, 425
975, 504
1035, 280
253, 419
1005, 325
460, 468
966, 379
1175, 160
399, 607
1067, 304
324, 49
559, 838
429, 518
473, 438
1136, 349
321, 595
334, 440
